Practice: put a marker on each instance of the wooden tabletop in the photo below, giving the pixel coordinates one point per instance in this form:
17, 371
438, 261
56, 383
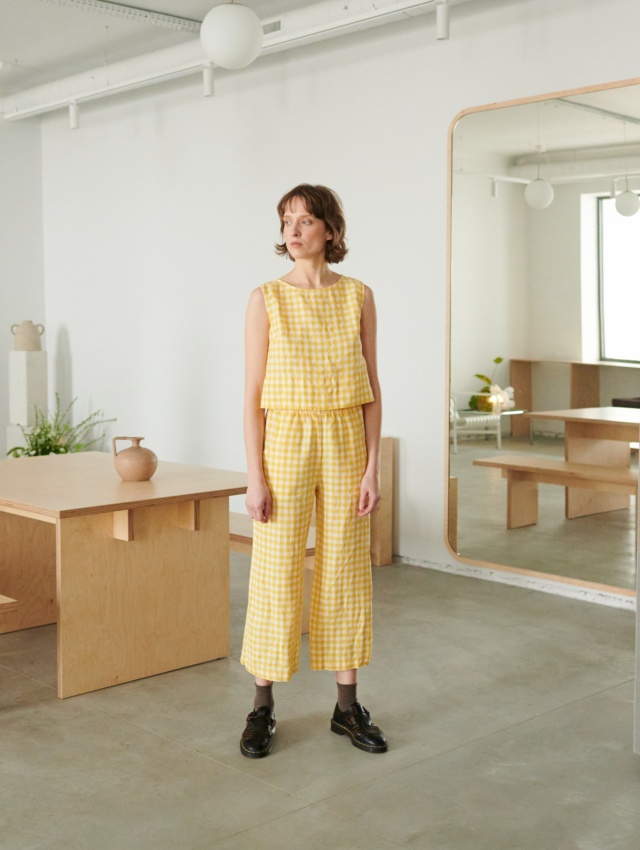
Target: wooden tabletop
87, 483
597, 415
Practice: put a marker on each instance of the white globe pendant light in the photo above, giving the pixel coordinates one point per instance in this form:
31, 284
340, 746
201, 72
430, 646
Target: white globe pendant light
627, 203
231, 35
538, 193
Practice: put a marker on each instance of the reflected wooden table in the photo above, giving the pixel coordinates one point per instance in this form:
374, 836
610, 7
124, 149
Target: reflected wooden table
597, 435
136, 574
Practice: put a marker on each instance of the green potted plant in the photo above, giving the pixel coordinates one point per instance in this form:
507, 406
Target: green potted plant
55, 435
491, 397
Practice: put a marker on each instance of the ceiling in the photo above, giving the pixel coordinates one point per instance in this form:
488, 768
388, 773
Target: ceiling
554, 125
45, 40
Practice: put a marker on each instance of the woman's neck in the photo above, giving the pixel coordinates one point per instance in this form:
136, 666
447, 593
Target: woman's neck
311, 275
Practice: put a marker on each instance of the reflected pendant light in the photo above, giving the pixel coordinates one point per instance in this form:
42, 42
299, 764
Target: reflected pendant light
627, 202
538, 193
231, 35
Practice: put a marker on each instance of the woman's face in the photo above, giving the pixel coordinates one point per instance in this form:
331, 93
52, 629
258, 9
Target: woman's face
305, 235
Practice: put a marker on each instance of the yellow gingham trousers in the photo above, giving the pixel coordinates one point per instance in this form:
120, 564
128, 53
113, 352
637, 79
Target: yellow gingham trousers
311, 455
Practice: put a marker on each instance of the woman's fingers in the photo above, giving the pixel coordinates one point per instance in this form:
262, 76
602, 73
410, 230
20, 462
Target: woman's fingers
368, 502
260, 512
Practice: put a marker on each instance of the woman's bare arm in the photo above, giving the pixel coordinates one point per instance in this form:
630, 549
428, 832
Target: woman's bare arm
372, 411
258, 499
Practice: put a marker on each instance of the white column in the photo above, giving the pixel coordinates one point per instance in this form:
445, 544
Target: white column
27, 391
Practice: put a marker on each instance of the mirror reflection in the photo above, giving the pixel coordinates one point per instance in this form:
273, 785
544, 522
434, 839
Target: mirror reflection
544, 348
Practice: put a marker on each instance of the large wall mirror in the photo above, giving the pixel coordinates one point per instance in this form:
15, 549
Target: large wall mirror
542, 200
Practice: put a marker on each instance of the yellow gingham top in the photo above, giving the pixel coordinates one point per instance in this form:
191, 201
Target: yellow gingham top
315, 359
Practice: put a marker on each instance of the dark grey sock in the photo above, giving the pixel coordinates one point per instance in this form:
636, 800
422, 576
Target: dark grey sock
264, 696
346, 696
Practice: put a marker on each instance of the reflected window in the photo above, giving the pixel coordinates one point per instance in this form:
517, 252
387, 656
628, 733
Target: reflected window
619, 283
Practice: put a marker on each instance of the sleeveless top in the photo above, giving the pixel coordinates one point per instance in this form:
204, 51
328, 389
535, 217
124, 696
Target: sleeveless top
315, 359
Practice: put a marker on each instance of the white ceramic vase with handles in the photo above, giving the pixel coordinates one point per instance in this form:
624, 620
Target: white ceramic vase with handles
27, 336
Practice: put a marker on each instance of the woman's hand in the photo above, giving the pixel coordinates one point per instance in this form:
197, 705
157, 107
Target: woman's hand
258, 502
369, 494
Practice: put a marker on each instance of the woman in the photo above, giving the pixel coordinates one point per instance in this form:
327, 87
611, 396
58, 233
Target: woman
312, 434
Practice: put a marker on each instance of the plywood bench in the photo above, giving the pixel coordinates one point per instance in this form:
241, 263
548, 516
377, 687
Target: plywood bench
7, 605
525, 472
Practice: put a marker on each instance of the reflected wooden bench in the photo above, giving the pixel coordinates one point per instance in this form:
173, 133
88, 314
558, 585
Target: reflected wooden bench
524, 473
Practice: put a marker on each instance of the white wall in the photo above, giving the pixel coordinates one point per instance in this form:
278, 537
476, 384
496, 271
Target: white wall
159, 219
21, 258
490, 297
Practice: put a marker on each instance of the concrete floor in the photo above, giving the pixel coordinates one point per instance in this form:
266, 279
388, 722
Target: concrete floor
509, 716
598, 548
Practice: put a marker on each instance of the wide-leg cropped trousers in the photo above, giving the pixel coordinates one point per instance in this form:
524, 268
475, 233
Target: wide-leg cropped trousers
311, 456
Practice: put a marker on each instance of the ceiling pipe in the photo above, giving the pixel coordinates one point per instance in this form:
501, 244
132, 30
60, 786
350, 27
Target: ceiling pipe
587, 169
318, 22
604, 173
131, 13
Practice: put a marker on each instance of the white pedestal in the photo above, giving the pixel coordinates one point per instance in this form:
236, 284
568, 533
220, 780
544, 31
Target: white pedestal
27, 386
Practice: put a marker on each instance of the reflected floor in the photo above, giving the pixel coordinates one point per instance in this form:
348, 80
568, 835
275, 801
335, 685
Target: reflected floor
599, 548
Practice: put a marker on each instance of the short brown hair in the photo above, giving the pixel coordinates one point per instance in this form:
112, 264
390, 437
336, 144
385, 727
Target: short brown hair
324, 204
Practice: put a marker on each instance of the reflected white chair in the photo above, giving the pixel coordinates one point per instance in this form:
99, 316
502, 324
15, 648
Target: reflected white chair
473, 422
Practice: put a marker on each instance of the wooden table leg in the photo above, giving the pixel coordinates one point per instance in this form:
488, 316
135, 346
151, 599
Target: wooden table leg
452, 524
136, 608
27, 571
603, 452
522, 500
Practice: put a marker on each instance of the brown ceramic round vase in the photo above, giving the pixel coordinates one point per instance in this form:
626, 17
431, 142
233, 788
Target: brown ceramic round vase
135, 463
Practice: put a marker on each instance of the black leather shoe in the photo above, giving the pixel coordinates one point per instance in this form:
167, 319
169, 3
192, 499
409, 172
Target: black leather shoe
257, 737
356, 722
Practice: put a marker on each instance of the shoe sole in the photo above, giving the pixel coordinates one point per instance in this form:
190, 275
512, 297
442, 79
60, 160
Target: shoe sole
342, 730
249, 755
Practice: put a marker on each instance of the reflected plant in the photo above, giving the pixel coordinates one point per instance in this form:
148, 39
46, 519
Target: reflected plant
483, 401
55, 435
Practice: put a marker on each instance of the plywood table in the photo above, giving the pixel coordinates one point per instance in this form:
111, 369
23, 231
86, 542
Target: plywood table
136, 575
596, 435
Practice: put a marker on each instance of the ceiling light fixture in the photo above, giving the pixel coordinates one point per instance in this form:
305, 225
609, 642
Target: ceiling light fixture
442, 20
627, 202
538, 193
231, 35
